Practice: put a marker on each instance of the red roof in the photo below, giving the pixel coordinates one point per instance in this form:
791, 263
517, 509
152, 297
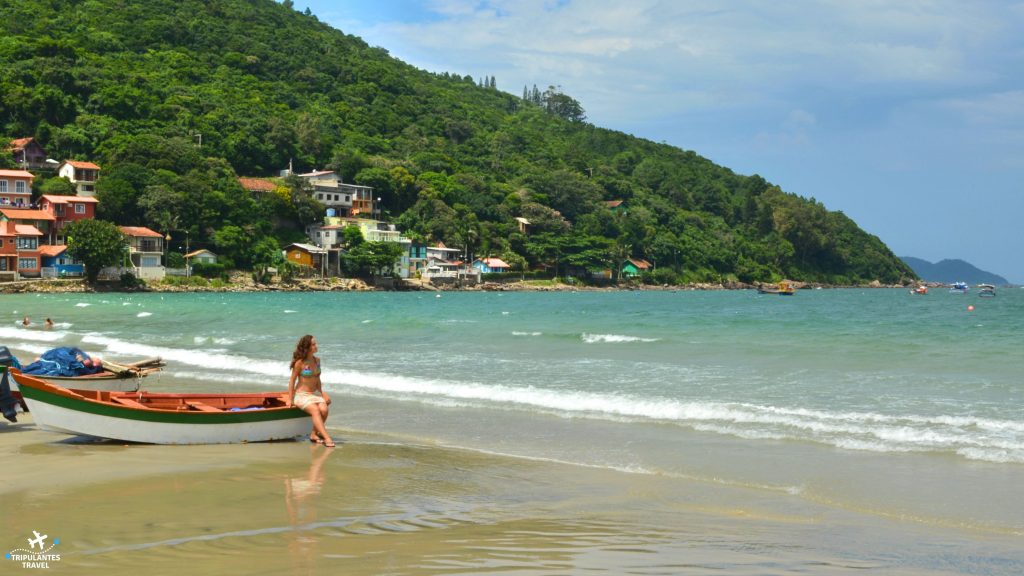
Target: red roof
26, 230
52, 250
640, 264
494, 263
17, 174
257, 184
20, 143
83, 165
613, 203
65, 199
140, 231
23, 214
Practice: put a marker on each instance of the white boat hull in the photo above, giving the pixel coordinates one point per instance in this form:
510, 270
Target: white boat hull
59, 419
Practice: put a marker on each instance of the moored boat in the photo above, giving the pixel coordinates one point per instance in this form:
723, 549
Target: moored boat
162, 418
783, 288
921, 290
986, 290
959, 288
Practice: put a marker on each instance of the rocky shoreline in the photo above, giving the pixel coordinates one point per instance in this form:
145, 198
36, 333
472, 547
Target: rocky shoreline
244, 283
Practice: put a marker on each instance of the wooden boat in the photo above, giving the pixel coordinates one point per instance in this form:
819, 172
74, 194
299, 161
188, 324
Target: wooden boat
782, 288
921, 290
190, 418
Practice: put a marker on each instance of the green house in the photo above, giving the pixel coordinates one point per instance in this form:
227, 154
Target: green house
632, 267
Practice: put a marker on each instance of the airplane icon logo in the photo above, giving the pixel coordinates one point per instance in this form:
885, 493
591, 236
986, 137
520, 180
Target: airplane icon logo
32, 542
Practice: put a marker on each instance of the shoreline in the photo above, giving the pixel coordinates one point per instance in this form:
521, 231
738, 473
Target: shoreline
242, 283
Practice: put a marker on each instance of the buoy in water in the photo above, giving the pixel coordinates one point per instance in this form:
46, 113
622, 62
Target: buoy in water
970, 308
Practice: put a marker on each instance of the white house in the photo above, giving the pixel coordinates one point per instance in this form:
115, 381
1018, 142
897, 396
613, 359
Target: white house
83, 175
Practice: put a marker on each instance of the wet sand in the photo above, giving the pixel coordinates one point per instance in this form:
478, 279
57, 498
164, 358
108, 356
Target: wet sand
380, 505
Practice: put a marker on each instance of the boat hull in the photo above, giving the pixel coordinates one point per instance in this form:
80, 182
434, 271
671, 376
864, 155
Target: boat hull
61, 410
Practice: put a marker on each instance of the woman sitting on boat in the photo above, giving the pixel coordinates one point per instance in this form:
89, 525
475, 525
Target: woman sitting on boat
305, 391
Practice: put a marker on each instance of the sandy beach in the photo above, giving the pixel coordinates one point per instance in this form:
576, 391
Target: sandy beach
378, 505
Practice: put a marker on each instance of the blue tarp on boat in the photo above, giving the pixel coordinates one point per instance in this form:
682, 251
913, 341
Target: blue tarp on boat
64, 361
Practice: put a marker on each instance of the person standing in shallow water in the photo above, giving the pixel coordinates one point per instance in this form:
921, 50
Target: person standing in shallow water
305, 391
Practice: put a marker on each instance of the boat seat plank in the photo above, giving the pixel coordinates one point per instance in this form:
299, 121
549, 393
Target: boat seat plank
196, 405
128, 402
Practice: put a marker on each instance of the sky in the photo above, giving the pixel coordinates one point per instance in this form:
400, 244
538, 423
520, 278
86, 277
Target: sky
906, 115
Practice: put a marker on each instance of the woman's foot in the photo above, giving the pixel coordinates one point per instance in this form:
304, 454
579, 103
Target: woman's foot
329, 443
315, 438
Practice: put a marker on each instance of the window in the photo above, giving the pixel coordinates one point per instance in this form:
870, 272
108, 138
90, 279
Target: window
3, 185
27, 263
79, 208
19, 186
28, 243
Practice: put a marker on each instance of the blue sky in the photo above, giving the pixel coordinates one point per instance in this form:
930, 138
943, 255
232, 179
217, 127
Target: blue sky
907, 115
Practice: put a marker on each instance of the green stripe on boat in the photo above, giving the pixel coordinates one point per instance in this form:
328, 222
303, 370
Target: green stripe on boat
167, 417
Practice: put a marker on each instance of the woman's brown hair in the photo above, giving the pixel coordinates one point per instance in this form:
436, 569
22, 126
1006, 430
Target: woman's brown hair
302, 349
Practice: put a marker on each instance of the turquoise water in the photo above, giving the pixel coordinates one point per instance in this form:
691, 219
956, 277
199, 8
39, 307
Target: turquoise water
875, 401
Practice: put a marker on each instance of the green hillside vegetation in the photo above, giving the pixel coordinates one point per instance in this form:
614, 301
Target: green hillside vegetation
176, 98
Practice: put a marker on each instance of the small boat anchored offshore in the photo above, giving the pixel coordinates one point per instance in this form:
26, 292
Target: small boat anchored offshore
959, 288
921, 290
783, 288
986, 290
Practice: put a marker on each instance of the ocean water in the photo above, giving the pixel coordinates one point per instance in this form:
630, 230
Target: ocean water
869, 401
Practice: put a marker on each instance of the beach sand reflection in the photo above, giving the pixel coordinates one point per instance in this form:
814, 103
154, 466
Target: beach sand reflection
301, 499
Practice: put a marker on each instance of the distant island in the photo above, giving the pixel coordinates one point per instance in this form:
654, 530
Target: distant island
949, 271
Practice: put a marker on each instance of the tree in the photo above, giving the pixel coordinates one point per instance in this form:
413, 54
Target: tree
96, 243
57, 187
373, 258
562, 105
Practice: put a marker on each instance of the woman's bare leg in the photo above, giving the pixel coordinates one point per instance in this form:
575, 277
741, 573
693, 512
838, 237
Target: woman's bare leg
318, 425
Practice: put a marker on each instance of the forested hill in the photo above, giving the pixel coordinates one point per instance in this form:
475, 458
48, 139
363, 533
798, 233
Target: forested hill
176, 98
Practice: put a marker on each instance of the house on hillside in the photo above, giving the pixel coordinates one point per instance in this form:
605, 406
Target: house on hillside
201, 256
344, 199
55, 262
40, 220
616, 206
145, 252
491, 265
524, 225
28, 153
65, 210
313, 258
16, 188
19, 250
83, 175
632, 267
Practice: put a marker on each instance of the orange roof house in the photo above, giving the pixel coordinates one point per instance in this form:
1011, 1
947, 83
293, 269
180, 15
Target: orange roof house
82, 174
66, 209
27, 152
19, 248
